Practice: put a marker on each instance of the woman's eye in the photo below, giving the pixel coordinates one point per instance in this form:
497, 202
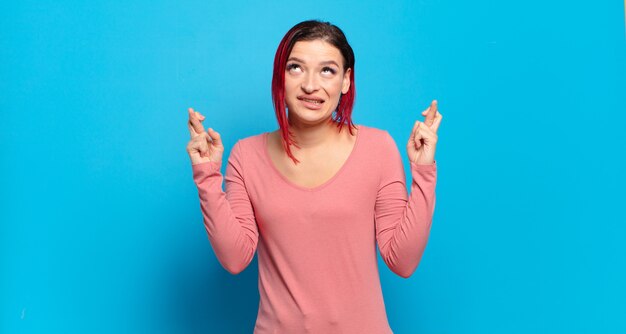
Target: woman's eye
292, 67
329, 70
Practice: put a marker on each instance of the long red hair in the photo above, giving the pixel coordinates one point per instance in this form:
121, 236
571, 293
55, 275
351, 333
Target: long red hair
306, 31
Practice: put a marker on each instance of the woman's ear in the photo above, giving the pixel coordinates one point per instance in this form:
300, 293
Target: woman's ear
346, 81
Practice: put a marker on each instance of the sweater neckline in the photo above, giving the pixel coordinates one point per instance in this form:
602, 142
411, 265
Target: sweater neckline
327, 182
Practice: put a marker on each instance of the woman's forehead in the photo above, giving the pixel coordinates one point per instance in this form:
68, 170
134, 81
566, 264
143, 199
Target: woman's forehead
315, 50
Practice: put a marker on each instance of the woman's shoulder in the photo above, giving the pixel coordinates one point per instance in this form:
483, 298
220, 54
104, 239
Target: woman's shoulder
251, 139
372, 131
246, 144
251, 147
375, 137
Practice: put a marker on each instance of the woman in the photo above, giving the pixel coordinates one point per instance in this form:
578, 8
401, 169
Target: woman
315, 197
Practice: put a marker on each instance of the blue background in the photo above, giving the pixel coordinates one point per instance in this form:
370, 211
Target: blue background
101, 230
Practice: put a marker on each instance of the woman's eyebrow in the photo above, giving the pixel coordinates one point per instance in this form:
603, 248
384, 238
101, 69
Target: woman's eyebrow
321, 63
329, 62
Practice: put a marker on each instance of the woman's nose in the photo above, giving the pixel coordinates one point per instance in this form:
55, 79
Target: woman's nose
310, 83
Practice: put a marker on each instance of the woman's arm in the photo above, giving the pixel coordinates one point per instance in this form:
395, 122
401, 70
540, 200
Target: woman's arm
228, 216
403, 222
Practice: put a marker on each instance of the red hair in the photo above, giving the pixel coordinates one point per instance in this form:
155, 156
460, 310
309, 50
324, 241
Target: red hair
306, 31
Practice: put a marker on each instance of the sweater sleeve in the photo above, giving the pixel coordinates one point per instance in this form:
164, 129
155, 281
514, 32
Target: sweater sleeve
228, 216
403, 222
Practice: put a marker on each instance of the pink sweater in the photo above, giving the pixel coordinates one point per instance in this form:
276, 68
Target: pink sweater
318, 271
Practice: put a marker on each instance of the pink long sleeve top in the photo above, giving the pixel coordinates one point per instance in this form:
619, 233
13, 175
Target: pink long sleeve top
318, 271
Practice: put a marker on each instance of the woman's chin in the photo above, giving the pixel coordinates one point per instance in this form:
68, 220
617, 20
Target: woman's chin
309, 117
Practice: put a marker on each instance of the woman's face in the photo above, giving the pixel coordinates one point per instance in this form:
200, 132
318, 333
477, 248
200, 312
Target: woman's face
314, 81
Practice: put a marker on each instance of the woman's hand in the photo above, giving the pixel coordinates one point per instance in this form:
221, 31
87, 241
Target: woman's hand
423, 139
204, 146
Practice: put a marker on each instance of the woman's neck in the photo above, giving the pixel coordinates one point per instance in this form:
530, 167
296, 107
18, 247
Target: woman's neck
315, 136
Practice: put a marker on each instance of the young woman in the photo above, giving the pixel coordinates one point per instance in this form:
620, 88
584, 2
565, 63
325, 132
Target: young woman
314, 197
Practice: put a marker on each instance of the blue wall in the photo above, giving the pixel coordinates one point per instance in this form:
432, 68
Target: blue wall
101, 230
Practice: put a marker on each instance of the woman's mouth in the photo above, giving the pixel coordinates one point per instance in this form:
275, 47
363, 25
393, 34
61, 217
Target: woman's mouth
315, 104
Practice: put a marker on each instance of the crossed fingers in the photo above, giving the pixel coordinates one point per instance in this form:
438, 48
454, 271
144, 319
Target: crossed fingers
194, 123
433, 117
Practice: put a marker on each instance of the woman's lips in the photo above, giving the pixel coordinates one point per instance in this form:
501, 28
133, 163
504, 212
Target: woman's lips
310, 104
